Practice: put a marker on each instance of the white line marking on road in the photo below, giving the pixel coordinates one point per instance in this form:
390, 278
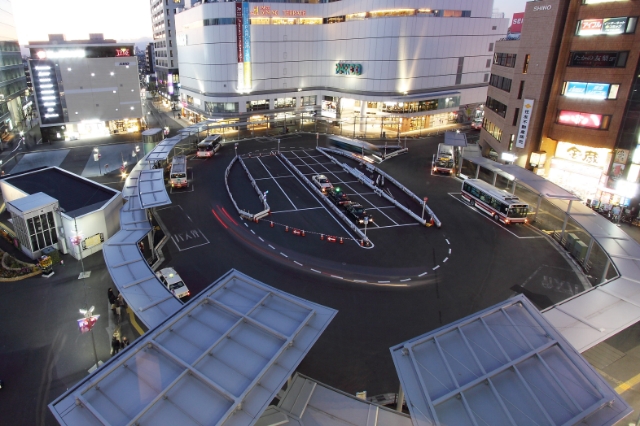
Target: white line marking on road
449, 251
404, 281
436, 267
448, 242
297, 263
360, 281
272, 247
276, 182
423, 274
335, 276
245, 224
253, 232
383, 282
316, 271
260, 238
391, 226
283, 254
298, 210
445, 259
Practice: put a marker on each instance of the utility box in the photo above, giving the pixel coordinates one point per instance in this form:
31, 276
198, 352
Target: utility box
579, 250
571, 240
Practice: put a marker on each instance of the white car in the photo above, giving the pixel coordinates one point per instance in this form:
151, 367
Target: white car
172, 281
321, 182
477, 124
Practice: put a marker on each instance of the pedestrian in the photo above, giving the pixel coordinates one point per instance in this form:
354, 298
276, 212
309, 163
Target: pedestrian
616, 214
124, 343
141, 246
112, 300
115, 345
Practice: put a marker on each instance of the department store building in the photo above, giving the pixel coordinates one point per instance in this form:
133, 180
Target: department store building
414, 63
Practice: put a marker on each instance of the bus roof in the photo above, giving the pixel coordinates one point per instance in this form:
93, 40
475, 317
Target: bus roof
210, 139
497, 193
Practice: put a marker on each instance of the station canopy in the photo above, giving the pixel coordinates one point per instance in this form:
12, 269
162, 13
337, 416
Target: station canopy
505, 365
220, 360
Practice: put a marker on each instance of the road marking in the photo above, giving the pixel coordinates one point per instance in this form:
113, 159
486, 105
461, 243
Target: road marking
391, 226
253, 232
297, 263
245, 224
260, 238
134, 323
316, 271
423, 274
335, 276
404, 281
436, 267
383, 282
272, 247
449, 251
298, 210
625, 386
283, 254
360, 281
445, 259
448, 242
276, 182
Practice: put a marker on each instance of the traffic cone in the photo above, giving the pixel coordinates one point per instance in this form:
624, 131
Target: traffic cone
272, 224
303, 233
322, 236
362, 243
286, 229
341, 240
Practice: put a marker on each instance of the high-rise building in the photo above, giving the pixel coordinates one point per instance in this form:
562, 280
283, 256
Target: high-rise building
163, 17
563, 97
14, 107
393, 64
85, 88
150, 59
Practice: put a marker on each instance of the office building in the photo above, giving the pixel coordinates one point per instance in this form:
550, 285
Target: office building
85, 88
400, 61
562, 101
163, 16
13, 84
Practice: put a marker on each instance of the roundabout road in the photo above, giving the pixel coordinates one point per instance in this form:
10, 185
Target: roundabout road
469, 264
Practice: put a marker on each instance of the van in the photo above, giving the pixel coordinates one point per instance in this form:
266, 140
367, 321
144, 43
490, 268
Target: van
178, 173
209, 146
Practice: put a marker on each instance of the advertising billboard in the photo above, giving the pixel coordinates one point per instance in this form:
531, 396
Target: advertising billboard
577, 89
516, 23
580, 119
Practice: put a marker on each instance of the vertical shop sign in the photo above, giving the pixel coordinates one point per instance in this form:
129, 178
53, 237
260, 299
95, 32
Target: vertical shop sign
525, 118
240, 47
246, 43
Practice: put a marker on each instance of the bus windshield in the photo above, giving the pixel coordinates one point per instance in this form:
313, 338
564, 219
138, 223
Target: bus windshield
205, 147
444, 162
178, 175
518, 211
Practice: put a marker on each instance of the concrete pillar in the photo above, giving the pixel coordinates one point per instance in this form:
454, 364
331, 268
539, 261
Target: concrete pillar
400, 399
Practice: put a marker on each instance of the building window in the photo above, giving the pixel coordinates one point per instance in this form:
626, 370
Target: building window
490, 47
308, 100
495, 27
515, 117
284, 103
598, 59
511, 141
525, 67
596, 91
505, 59
42, 231
607, 26
488, 63
502, 83
493, 130
496, 106
583, 119
257, 105
220, 107
486, 78
521, 89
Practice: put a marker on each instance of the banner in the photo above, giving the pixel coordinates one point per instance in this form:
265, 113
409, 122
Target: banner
525, 118
243, 40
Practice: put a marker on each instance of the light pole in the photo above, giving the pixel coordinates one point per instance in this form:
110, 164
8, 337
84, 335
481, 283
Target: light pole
366, 221
317, 136
96, 157
278, 146
236, 147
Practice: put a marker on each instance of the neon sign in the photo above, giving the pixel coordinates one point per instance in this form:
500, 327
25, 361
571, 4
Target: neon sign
580, 119
123, 51
267, 11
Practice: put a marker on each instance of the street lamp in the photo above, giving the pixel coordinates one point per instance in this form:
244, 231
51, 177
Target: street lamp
236, 147
278, 146
96, 157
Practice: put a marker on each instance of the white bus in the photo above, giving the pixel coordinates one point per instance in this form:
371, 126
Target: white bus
444, 160
209, 146
356, 148
178, 173
497, 203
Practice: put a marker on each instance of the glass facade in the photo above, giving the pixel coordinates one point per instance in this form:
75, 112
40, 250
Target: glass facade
13, 82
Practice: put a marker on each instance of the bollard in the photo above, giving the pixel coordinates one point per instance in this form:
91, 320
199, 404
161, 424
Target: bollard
341, 240
286, 229
303, 233
322, 236
257, 220
362, 243
272, 224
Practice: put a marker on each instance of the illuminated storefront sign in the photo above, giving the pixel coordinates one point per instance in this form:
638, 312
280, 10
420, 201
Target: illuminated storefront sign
59, 54
598, 157
47, 93
516, 23
267, 11
123, 51
243, 39
581, 119
598, 59
103, 51
348, 69
525, 118
576, 89
603, 26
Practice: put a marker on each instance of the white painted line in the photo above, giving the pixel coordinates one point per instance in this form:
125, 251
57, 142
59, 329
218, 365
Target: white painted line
245, 224
449, 251
253, 232
360, 281
423, 274
335, 276
316, 271
436, 267
448, 242
298, 210
445, 259
283, 254
403, 281
297, 263
390, 226
383, 282
276, 182
272, 247
260, 238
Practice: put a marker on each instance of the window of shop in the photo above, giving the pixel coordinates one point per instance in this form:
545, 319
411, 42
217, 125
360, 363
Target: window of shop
333, 20
219, 21
583, 119
583, 90
260, 21
189, 100
220, 107
308, 100
607, 26
257, 105
598, 59
42, 231
496, 106
505, 59
493, 130
310, 21
284, 103
502, 83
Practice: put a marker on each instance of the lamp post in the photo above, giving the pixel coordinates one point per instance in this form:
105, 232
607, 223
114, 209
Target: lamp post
236, 148
278, 146
317, 136
96, 157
